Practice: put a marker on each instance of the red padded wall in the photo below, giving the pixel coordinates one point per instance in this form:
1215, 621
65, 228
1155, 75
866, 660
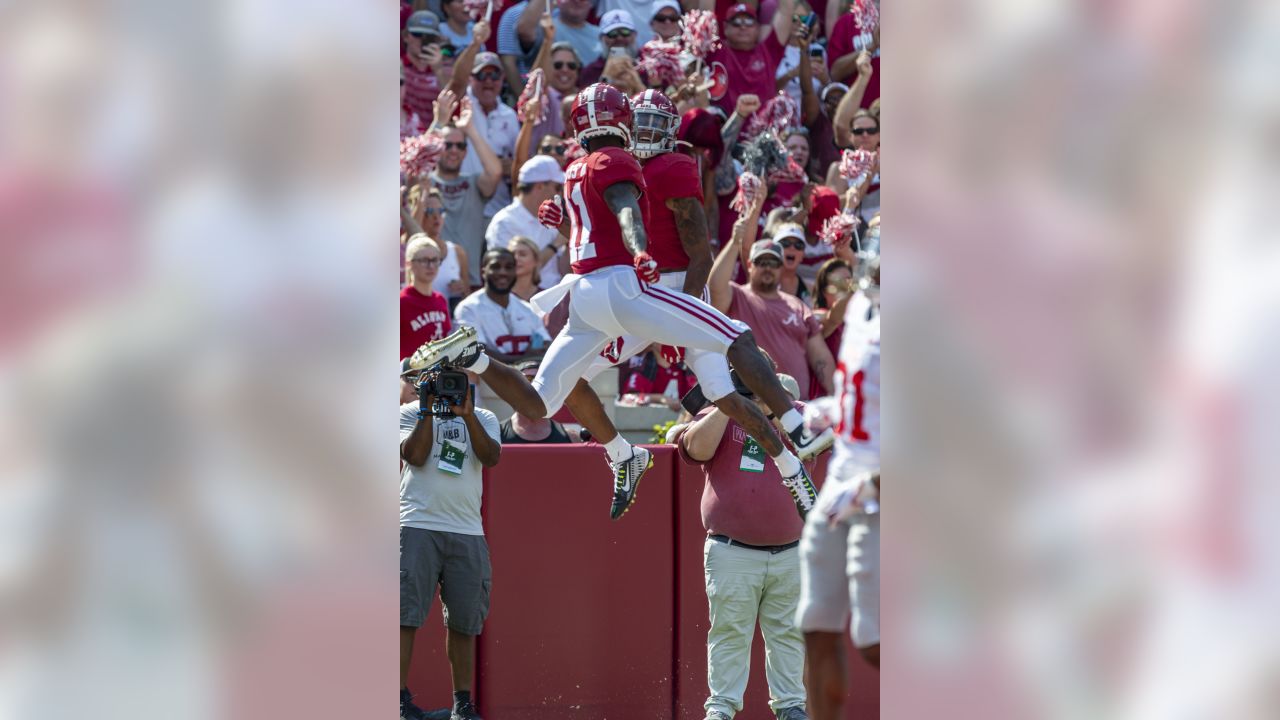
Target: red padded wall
591, 618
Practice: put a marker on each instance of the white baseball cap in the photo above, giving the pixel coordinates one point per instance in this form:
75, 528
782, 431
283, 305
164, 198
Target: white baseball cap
541, 168
615, 19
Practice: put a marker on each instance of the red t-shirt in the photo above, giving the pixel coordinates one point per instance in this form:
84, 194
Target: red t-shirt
669, 175
781, 326
750, 71
750, 507
841, 44
595, 240
421, 88
423, 318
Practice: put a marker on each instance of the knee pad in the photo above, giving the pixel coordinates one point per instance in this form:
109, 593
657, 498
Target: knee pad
712, 369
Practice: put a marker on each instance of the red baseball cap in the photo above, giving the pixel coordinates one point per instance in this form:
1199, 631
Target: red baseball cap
826, 203
739, 9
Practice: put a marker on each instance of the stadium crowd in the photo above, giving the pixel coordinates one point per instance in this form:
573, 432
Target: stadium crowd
783, 90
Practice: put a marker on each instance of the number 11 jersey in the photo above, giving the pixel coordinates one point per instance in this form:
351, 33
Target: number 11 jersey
595, 236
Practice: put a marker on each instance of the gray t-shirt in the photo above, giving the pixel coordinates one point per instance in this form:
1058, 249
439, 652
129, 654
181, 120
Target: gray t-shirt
464, 221
430, 497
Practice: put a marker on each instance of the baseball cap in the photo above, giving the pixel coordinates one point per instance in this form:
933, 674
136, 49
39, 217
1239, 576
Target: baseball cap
663, 5
405, 369
739, 9
615, 19
790, 385
832, 88
789, 230
826, 203
484, 60
423, 22
766, 247
541, 168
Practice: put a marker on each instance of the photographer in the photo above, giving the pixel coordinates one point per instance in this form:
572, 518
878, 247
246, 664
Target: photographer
441, 536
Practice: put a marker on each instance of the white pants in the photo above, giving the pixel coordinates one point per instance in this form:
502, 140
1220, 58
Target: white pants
711, 368
839, 574
745, 586
611, 303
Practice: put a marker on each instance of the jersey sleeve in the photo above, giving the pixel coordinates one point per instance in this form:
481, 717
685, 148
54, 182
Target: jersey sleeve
612, 166
677, 177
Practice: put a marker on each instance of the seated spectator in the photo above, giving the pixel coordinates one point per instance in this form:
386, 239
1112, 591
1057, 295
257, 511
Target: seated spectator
518, 429
464, 194
664, 23
424, 313
783, 325
507, 326
651, 380
617, 36
540, 179
528, 278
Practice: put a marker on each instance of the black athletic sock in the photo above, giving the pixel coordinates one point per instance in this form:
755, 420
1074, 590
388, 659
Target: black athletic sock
460, 697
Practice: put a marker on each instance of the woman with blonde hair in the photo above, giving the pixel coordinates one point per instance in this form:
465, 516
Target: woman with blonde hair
424, 313
528, 278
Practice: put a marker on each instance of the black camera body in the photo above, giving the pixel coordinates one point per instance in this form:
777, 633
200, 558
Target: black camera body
448, 388
694, 400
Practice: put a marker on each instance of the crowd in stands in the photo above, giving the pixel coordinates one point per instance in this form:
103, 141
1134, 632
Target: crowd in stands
473, 251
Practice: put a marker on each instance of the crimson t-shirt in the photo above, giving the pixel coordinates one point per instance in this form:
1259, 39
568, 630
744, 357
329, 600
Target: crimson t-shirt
842, 43
750, 71
595, 240
423, 318
667, 176
782, 326
750, 507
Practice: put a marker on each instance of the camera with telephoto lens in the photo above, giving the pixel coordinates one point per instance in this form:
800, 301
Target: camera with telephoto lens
448, 388
694, 400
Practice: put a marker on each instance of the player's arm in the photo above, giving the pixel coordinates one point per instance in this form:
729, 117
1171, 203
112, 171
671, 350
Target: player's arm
623, 199
703, 436
820, 360
691, 225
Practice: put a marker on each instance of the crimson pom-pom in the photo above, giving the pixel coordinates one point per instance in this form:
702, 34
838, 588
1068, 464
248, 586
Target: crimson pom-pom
748, 188
660, 62
779, 113
837, 230
700, 33
419, 154
856, 163
866, 14
534, 85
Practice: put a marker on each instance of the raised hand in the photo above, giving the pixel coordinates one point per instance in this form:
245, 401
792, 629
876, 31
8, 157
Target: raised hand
463, 122
747, 104
444, 106
480, 32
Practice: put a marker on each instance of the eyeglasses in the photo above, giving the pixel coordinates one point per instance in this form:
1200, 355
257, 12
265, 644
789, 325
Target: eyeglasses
487, 75
666, 18
796, 243
429, 262
455, 146
562, 64
618, 34
743, 21
548, 149
865, 131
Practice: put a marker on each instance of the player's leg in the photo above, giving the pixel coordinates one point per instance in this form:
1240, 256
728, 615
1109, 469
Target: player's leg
864, 586
822, 612
758, 375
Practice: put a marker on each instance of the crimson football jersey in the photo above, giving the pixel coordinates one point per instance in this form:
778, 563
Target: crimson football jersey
595, 240
669, 175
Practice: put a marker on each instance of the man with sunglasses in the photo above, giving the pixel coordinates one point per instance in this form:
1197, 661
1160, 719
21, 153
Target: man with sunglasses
494, 120
617, 36
752, 61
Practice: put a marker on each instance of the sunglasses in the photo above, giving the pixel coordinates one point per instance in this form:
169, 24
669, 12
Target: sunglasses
429, 262
487, 75
864, 131
562, 64
618, 34
666, 18
424, 37
767, 263
796, 243
742, 21
548, 149
455, 146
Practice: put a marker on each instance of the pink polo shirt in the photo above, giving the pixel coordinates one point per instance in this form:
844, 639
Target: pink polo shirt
750, 507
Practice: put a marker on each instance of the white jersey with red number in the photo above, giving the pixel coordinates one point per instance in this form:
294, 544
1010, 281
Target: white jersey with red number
509, 329
857, 382
595, 237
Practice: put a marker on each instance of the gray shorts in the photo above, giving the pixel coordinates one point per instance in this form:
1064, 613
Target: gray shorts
459, 564
840, 576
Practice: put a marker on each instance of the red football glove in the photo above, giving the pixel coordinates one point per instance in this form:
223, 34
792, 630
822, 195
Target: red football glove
673, 355
551, 212
646, 269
